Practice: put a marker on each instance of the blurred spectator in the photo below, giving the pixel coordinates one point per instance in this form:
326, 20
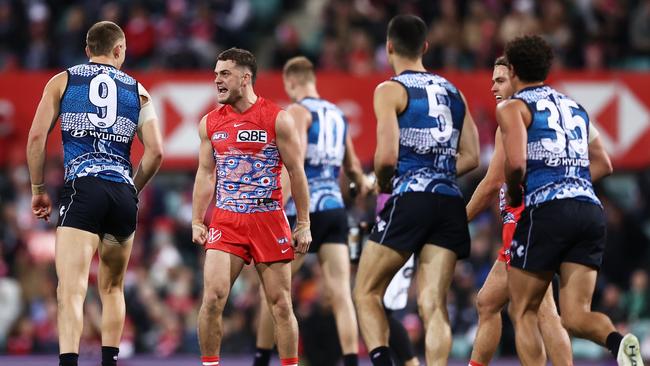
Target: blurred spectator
347, 35
611, 305
140, 33
636, 300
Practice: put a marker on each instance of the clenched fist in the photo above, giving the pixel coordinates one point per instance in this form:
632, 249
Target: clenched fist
199, 233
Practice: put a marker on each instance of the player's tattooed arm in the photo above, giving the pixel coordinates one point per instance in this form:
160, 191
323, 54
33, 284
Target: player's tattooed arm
513, 118
489, 186
149, 134
467, 158
46, 115
389, 100
204, 183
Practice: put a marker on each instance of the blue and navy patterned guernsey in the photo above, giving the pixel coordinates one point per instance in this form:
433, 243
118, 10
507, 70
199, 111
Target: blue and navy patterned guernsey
430, 128
325, 153
558, 157
99, 118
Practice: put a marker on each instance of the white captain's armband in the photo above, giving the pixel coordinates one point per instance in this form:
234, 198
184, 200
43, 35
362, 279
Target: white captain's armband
147, 111
593, 132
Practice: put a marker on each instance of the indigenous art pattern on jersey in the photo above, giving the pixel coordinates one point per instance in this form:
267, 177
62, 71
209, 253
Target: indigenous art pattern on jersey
99, 116
430, 129
247, 158
245, 181
325, 153
558, 148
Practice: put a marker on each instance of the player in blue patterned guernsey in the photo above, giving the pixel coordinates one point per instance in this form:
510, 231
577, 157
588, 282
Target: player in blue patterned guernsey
328, 148
425, 139
101, 110
493, 296
562, 229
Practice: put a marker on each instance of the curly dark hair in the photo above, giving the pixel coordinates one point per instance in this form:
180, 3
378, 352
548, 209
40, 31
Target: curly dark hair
530, 57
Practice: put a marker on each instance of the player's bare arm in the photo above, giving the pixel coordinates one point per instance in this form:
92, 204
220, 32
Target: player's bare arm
302, 119
600, 165
44, 120
512, 116
150, 136
489, 186
204, 183
291, 152
390, 98
467, 158
352, 167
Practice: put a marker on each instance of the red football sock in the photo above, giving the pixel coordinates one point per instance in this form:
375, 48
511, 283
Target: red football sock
210, 360
289, 361
474, 363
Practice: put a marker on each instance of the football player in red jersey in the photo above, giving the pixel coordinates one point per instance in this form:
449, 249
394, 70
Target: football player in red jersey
493, 296
244, 144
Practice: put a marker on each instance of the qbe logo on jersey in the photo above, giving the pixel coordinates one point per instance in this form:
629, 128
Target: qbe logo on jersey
251, 136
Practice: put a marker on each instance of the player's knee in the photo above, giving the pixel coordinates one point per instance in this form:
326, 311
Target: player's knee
67, 291
361, 297
281, 308
338, 294
429, 304
571, 323
485, 305
215, 300
112, 285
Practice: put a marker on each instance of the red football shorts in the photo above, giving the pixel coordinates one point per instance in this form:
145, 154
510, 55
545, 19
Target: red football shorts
264, 237
507, 233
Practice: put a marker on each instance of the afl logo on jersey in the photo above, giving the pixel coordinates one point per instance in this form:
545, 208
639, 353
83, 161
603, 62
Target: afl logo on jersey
251, 136
79, 133
219, 135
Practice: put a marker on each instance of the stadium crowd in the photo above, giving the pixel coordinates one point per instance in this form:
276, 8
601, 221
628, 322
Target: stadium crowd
164, 279
338, 34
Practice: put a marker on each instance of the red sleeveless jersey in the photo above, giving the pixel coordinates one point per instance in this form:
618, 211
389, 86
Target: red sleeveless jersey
510, 216
247, 158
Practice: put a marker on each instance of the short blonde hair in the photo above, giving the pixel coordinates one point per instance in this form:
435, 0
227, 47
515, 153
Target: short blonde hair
301, 68
102, 37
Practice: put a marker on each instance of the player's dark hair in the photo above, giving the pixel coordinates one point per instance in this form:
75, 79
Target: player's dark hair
408, 34
530, 56
301, 68
240, 57
102, 36
501, 61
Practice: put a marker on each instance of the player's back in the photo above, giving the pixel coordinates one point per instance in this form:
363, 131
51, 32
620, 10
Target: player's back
247, 157
326, 138
558, 151
99, 118
430, 128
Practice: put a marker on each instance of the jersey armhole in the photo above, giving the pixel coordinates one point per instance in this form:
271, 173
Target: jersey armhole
65, 90
137, 91
408, 99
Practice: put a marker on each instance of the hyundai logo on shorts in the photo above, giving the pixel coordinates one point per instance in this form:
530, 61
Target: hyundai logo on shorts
79, 133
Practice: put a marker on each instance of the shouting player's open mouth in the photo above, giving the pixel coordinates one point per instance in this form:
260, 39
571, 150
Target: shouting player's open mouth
222, 91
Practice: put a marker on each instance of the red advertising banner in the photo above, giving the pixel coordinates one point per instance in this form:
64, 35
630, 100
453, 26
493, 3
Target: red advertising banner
617, 103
